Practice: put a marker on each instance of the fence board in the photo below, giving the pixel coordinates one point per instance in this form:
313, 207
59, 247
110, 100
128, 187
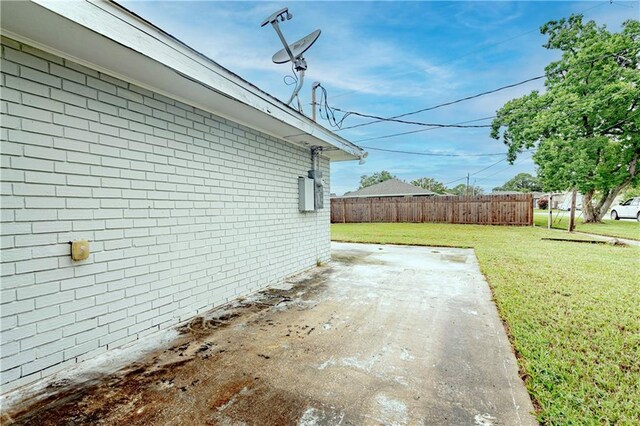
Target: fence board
512, 209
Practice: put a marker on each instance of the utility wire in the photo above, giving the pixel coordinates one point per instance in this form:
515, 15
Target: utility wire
479, 171
487, 168
611, 77
434, 154
419, 130
439, 105
506, 168
378, 119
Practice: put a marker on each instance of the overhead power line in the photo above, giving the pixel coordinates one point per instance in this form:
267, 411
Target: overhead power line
611, 77
419, 130
503, 169
434, 154
487, 168
475, 173
377, 119
394, 118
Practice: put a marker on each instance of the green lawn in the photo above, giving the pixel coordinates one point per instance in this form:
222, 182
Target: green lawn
612, 228
572, 311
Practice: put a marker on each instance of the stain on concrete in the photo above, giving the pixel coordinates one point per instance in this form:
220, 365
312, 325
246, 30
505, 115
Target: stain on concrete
383, 337
351, 257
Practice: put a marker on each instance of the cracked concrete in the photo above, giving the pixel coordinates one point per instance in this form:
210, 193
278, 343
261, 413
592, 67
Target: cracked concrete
393, 335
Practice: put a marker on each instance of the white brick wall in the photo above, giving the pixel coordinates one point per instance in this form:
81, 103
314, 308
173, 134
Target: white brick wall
184, 211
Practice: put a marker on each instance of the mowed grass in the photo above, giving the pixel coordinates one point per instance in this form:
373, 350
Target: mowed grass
572, 312
611, 228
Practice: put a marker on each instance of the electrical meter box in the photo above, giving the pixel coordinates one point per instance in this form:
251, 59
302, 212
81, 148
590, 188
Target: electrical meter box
306, 191
318, 182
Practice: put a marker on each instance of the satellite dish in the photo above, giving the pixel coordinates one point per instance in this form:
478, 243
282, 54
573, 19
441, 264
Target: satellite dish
297, 48
291, 52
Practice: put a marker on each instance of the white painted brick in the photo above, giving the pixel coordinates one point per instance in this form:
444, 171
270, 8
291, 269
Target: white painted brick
36, 265
79, 326
87, 347
79, 89
42, 103
68, 97
42, 363
35, 127
44, 203
100, 85
50, 227
24, 86
13, 255
12, 361
32, 164
30, 113
45, 178
55, 347
8, 322
35, 240
37, 315
181, 208
37, 290
33, 189
67, 74
40, 338
8, 376
93, 312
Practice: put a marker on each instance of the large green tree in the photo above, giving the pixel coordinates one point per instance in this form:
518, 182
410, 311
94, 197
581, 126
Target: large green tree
522, 182
586, 124
463, 189
366, 180
430, 184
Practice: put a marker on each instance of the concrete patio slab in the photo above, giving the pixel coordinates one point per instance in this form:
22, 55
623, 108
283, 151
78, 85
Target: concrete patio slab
393, 335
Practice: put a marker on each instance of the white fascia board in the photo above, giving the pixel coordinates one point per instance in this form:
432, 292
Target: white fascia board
107, 37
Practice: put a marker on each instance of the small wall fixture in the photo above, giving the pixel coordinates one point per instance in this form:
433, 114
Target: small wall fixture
80, 249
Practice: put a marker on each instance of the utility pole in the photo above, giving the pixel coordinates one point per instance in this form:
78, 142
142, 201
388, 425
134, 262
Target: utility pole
467, 191
572, 216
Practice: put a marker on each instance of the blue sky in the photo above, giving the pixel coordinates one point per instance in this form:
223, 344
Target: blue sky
387, 58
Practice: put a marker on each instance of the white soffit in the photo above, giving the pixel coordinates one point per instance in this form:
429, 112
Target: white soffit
107, 37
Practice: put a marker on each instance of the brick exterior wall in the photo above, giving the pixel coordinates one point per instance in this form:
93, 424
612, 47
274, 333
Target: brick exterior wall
184, 212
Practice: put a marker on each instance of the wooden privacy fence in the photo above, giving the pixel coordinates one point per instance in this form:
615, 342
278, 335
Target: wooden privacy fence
516, 209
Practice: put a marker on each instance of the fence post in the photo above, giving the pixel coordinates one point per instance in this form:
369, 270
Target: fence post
550, 218
344, 212
572, 216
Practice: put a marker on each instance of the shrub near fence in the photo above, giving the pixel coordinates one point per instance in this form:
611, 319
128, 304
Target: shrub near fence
512, 209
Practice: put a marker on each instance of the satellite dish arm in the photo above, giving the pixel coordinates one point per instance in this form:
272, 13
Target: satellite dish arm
282, 39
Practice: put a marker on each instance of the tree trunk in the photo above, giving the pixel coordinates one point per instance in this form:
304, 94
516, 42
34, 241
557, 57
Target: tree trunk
594, 214
588, 209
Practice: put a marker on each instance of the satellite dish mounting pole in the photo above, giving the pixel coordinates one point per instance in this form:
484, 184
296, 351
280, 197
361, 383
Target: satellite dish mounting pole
314, 87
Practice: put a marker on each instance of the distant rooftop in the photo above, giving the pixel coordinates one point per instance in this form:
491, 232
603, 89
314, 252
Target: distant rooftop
389, 188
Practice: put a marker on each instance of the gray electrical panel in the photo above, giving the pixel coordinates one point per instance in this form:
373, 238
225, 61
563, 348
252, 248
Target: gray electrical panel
318, 182
306, 190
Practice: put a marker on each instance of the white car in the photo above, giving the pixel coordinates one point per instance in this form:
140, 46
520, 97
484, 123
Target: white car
630, 209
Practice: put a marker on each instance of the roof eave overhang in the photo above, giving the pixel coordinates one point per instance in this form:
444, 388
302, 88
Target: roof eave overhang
106, 37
